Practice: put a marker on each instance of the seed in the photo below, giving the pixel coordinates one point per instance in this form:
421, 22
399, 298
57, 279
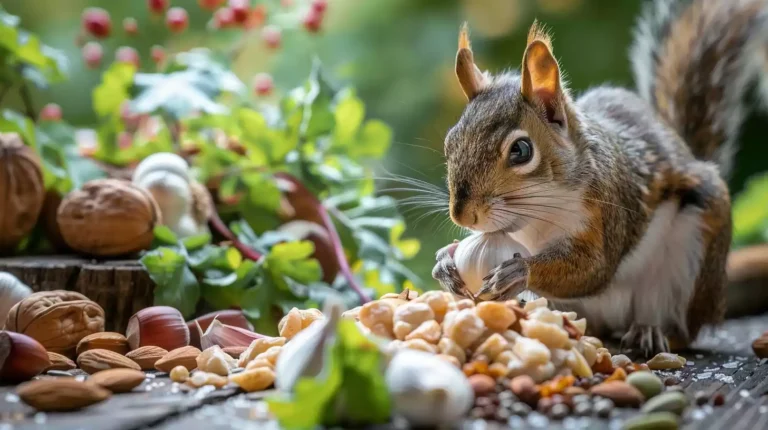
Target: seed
489, 412
477, 413
671, 380
503, 415
582, 409
574, 391
603, 408
521, 409
483, 401
673, 401
559, 411
718, 399
646, 382
581, 398
701, 397
507, 395
655, 421
665, 360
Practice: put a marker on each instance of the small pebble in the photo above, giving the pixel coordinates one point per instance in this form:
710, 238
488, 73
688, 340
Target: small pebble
521, 409
581, 398
507, 395
582, 409
477, 413
536, 419
718, 399
489, 412
559, 411
483, 401
503, 415
603, 408
673, 388
646, 382
701, 397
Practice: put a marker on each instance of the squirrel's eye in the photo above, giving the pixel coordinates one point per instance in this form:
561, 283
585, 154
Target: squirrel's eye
520, 152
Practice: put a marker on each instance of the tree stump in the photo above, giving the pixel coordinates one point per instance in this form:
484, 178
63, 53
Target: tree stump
121, 287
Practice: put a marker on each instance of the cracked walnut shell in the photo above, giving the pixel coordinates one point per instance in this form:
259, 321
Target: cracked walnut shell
56, 319
21, 188
108, 217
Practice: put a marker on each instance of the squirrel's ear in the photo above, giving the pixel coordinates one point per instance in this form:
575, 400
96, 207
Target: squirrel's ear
471, 79
541, 77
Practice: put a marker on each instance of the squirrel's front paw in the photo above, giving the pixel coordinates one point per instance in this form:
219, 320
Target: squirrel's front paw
445, 271
649, 340
505, 281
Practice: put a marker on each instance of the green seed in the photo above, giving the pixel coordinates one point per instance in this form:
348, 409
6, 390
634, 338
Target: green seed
655, 421
646, 382
671, 401
666, 360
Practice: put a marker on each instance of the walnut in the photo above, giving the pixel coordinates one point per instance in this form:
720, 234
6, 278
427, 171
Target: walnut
56, 319
22, 188
108, 217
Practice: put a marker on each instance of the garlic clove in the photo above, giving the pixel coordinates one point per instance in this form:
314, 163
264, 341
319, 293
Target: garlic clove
167, 162
307, 351
477, 254
12, 291
225, 336
427, 390
230, 317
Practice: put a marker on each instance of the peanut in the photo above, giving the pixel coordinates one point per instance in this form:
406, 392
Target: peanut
179, 374
421, 345
496, 315
402, 330
257, 379
459, 305
290, 325
437, 301
308, 316
492, 347
549, 334
449, 347
271, 354
377, 312
429, 331
413, 313
464, 327
257, 347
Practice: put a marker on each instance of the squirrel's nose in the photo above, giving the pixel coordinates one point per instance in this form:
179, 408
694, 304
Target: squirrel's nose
463, 215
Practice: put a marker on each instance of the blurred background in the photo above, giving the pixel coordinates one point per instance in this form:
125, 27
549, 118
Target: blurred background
398, 54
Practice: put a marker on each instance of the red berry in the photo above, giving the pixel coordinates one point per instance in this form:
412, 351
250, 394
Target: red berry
130, 26
272, 36
177, 19
224, 18
157, 6
126, 54
257, 17
263, 84
92, 54
239, 10
96, 21
124, 140
210, 4
51, 112
158, 54
312, 21
319, 6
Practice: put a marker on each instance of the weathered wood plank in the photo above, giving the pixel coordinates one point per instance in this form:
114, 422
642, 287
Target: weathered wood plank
121, 287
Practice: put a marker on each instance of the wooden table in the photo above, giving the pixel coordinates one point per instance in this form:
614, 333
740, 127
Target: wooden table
722, 362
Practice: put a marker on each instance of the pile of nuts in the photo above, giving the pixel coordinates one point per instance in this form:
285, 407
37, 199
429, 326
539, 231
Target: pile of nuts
60, 331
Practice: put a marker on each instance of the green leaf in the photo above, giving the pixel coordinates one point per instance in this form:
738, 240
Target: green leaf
750, 212
165, 236
109, 96
175, 284
291, 259
193, 243
349, 115
374, 141
12, 121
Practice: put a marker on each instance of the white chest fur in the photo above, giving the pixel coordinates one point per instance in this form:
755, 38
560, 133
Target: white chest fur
654, 283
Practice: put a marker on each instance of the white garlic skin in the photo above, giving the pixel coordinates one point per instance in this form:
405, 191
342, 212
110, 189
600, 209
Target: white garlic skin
166, 176
426, 390
478, 254
12, 291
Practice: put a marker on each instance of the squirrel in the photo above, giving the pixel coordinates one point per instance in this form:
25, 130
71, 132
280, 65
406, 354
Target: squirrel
620, 195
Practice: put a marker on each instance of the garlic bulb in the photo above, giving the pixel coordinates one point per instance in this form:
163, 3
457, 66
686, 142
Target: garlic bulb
478, 254
12, 291
427, 390
166, 176
305, 354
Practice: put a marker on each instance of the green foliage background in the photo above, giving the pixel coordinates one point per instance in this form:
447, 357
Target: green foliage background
399, 55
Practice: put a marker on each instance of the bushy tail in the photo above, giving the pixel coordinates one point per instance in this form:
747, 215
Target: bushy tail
694, 60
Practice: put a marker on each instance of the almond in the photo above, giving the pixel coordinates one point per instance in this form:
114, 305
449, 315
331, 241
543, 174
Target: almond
118, 380
185, 356
147, 356
61, 394
235, 351
59, 362
95, 360
620, 392
108, 340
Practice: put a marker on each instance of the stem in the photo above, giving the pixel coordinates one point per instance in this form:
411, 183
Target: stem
174, 128
26, 97
4, 91
220, 227
332, 233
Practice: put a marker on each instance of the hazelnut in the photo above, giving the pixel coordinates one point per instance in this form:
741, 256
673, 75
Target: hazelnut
21, 357
56, 319
161, 326
108, 217
21, 184
760, 346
